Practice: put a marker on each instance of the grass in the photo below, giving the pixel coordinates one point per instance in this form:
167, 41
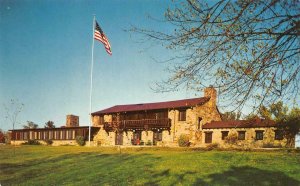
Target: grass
69, 165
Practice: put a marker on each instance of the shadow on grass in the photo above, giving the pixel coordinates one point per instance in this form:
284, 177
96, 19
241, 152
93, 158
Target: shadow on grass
247, 175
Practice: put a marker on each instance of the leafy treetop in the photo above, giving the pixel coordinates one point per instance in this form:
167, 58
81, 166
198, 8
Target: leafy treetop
49, 124
30, 125
249, 50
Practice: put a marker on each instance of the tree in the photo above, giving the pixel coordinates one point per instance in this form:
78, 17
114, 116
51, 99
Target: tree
229, 116
275, 111
30, 125
2, 136
49, 124
12, 111
288, 121
290, 125
249, 50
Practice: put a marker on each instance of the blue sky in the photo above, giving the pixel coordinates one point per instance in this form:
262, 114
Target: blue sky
45, 58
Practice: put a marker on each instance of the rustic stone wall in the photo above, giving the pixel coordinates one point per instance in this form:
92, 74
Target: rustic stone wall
211, 93
17, 142
249, 142
127, 136
147, 136
103, 138
96, 121
55, 142
192, 127
72, 121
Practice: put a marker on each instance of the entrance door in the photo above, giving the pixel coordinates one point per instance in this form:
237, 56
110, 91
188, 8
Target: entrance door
208, 137
137, 135
119, 138
157, 136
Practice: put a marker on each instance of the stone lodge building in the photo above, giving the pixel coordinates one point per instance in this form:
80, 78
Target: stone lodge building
162, 124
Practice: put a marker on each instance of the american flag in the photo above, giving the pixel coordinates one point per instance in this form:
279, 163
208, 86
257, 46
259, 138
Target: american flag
100, 36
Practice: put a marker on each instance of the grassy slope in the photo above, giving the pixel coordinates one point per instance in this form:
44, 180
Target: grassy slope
66, 165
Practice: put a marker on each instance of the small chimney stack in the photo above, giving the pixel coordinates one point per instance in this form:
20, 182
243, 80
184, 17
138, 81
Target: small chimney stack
211, 92
72, 121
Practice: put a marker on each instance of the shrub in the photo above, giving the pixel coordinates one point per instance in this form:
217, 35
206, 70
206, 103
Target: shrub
48, 141
271, 145
149, 143
2, 136
32, 142
212, 146
184, 141
231, 139
80, 140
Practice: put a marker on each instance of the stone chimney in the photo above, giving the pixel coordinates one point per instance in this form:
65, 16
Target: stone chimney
211, 92
72, 121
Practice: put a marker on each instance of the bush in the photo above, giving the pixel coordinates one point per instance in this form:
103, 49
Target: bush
149, 143
80, 140
212, 146
32, 142
271, 145
231, 139
48, 141
184, 141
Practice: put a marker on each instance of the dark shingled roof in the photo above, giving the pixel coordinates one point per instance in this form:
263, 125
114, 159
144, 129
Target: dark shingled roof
154, 106
240, 124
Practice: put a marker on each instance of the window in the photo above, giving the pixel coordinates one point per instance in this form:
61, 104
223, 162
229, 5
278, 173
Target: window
182, 115
63, 135
101, 119
50, 135
259, 135
241, 135
278, 135
68, 136
157, 135
38, 135
33, 135
137, 135
224, 134
56, 135
46, 135
25, 135
59, 134
208, 137
162, 115
199, 123
114, 117
21, 136
30, 135
16, 136
73, 134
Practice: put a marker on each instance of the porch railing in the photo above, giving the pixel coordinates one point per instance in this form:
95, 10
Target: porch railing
143, 124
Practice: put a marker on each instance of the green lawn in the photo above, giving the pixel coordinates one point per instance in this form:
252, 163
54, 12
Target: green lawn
67, 165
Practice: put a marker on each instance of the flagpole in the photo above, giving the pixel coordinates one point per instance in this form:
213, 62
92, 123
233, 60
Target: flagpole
91, 88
